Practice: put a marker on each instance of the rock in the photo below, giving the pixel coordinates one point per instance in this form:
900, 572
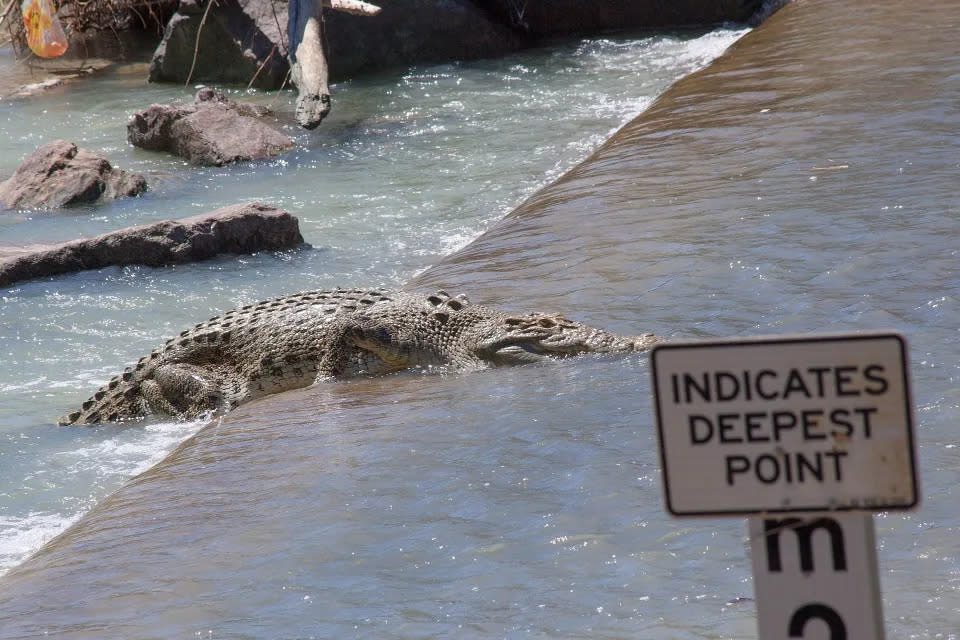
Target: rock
409, 32
244, 34
540, 18
238, 38
213, 131
240, 228
58, 174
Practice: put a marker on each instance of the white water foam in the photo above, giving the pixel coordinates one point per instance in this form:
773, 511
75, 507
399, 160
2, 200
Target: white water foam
456, 145
105, 464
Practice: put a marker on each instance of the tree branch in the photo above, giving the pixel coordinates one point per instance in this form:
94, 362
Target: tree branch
13, 2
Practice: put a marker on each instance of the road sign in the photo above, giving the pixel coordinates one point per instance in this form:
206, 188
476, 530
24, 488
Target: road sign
812, 423
816, 577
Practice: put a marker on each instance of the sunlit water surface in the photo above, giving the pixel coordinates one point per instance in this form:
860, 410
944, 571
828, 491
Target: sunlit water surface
409, 167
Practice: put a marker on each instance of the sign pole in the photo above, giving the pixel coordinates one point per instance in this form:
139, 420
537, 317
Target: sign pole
816, 571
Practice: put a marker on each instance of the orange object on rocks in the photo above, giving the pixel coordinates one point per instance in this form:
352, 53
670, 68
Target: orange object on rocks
44, 33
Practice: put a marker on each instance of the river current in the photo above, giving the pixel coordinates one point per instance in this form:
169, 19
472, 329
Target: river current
409, 167
802, 182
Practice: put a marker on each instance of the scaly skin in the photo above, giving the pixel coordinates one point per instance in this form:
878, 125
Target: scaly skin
293, 341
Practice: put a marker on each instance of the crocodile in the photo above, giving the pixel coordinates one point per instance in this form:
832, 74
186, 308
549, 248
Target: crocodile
296, 340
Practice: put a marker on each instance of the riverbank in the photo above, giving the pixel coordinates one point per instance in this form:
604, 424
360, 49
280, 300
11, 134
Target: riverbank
243, 42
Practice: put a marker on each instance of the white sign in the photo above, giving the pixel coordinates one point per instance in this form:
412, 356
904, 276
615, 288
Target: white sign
785, 424
815, 577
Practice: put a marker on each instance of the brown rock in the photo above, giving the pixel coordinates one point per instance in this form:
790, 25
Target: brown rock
58, 174
213, 131
240, 228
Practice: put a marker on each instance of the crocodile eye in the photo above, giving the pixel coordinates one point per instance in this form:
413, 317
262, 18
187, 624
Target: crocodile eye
546, 323
456, 305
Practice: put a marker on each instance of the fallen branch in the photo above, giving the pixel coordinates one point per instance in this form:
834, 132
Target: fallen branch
308, 56
308, 62
196, 47
3, 15
260, 68
353, 7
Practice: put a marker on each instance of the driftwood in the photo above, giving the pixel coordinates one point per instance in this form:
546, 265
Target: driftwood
354, 7
308, 55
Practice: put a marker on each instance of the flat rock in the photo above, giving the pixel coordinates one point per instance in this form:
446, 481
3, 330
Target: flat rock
58, 174
213, 131
240, 228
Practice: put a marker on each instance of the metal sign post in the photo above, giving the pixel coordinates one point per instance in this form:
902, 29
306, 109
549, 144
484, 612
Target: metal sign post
816, 574
804, 435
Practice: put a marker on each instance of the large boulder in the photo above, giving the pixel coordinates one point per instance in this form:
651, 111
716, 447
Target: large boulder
58, 174
409, 32
240, 36
213, 131
540, 18
240, 228
240, 43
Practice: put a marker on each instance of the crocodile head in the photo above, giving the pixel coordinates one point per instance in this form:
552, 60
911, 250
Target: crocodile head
532, 337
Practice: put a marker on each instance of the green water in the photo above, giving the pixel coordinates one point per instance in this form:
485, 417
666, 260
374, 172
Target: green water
409, 167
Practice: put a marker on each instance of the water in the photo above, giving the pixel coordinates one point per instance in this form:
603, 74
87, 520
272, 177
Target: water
409, 167
803, 183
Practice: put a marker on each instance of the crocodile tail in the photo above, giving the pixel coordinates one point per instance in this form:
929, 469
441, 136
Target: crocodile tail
116, 400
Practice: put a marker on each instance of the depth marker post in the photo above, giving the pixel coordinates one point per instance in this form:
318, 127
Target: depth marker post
805, 436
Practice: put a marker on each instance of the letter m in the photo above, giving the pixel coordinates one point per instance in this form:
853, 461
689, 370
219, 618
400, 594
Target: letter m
804, 530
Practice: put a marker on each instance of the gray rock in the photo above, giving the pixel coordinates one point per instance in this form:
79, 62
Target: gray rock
213, 131
409, 32
240, 228
58, 174
240, 41
241, 35
539, 18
